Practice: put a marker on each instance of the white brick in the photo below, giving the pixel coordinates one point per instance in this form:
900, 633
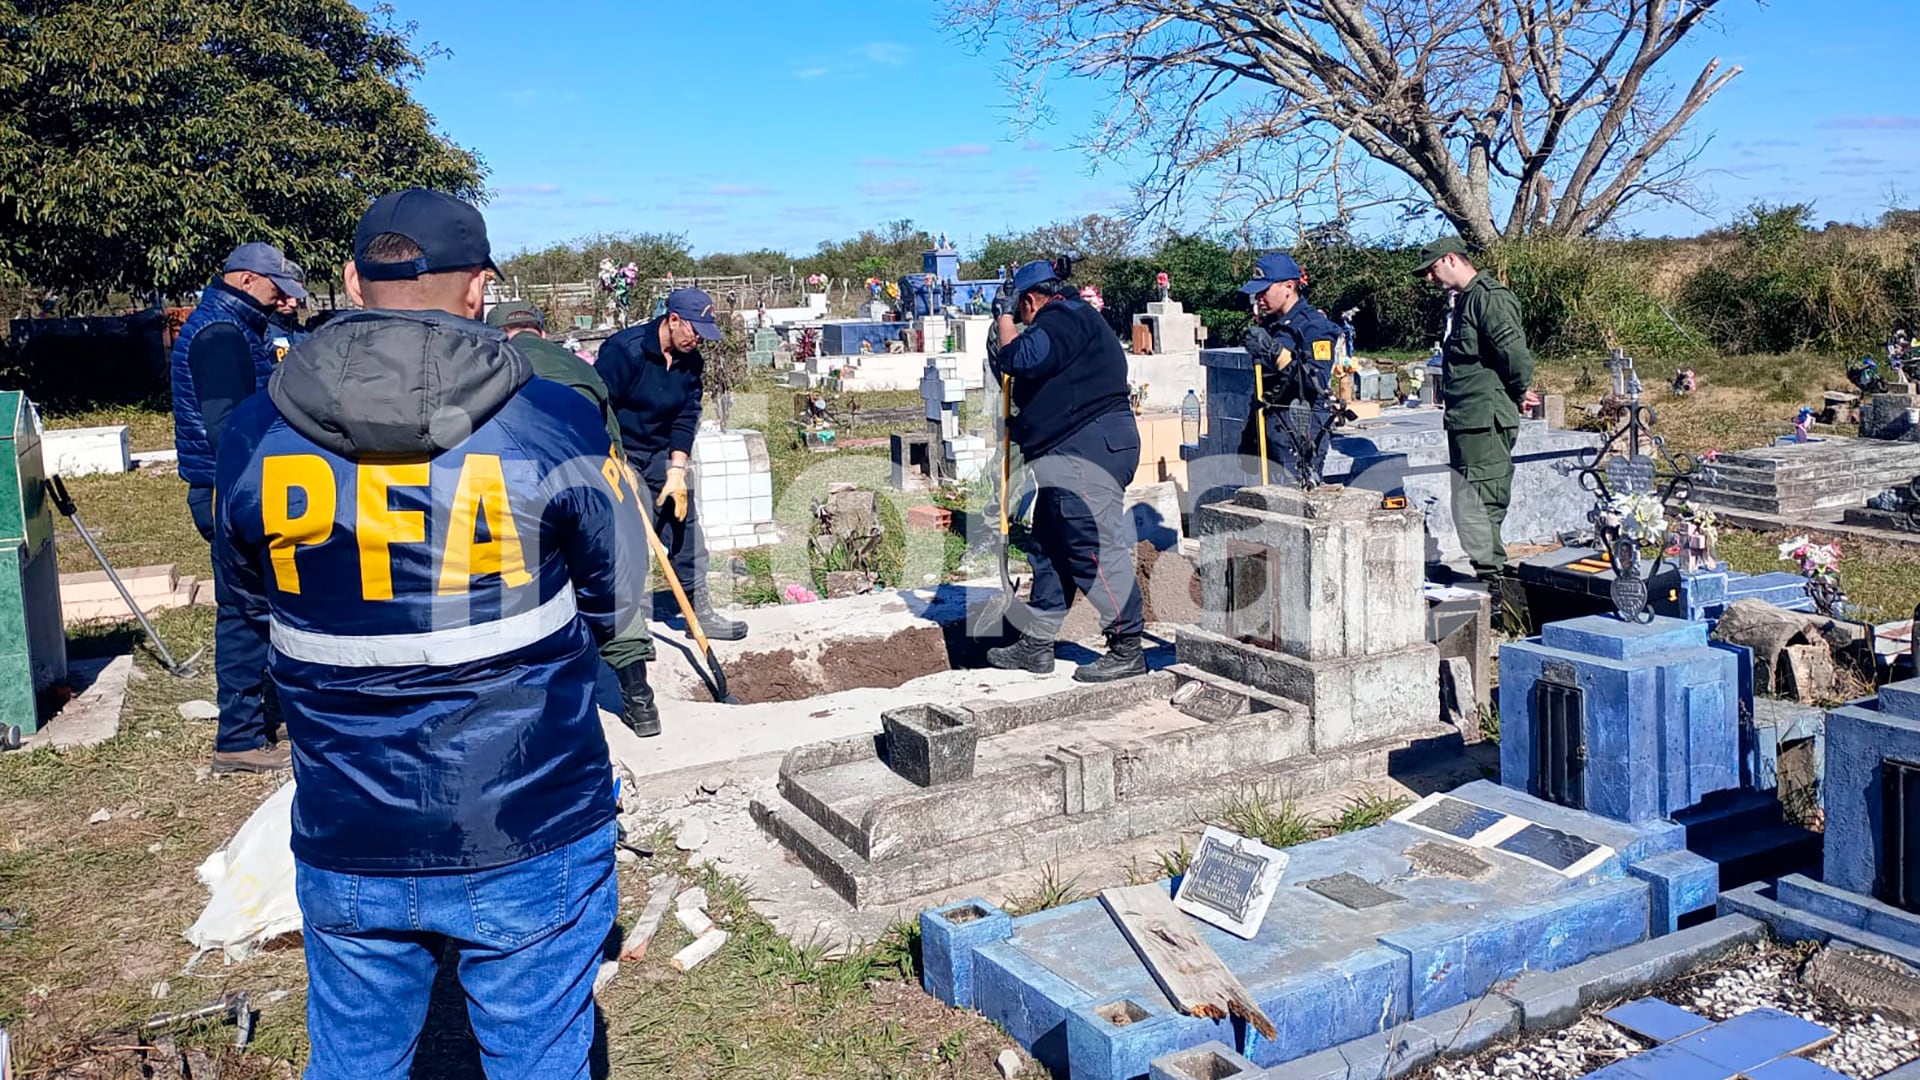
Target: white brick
760, 484
86, 451
762, 508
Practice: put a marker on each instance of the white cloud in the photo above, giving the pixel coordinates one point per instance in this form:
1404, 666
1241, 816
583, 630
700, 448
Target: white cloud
811, 73
961, 150
890, 53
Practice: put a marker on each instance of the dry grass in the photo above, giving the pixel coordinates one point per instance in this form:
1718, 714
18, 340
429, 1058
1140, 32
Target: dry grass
102, 908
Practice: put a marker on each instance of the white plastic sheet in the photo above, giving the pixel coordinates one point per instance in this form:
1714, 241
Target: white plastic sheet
251, 882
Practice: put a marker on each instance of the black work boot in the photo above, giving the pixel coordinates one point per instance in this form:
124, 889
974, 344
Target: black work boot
636, 700
716, 626
1030, 653
1124, 660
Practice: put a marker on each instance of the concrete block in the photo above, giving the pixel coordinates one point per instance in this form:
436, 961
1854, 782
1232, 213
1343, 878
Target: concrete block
1853, 909
929, 744
1797, 924
1453, 964
1208, 1061
86, 451
1470, 1026
949, 937
1681, 883
1554, 999
1119, 1039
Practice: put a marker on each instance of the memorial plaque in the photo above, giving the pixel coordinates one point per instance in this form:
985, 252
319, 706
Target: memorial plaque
1230, 882
1867, 981
1630, 475
1352, 890
1456, 818
1569, 854
1438, 858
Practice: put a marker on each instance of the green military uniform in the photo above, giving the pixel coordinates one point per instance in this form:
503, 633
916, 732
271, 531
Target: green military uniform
554, 363
1487, 369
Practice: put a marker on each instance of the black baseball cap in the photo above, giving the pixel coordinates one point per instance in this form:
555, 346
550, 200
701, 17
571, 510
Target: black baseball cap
451, 235
695, 306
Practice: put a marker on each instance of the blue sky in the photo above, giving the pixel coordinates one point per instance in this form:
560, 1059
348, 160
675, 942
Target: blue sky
759, 124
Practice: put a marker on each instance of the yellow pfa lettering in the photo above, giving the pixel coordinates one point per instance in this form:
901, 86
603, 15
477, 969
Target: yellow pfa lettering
280, 476
379, 526
610, 469
482, 497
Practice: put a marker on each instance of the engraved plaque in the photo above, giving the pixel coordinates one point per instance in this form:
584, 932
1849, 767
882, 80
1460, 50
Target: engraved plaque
1458, 819
1437, 858
1552, 848
1351, 890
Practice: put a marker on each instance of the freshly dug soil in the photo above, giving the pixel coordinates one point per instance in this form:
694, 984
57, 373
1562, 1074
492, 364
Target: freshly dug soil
881, 663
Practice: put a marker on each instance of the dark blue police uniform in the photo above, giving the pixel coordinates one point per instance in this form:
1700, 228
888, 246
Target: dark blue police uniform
1076, 429
1299, 398
657, 402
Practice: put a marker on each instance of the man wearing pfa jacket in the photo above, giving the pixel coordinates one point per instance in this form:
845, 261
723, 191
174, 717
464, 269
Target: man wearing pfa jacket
436, 542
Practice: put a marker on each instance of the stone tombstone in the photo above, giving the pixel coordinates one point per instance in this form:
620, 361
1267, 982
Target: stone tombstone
1318, 597
1230, 882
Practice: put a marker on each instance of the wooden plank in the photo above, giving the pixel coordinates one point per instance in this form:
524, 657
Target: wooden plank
1179, 959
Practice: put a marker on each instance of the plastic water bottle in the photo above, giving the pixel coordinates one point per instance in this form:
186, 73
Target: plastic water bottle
1190, 418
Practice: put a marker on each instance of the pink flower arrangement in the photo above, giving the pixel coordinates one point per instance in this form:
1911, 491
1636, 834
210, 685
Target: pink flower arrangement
800, 594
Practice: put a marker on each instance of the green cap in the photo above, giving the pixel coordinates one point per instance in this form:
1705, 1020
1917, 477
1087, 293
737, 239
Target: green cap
1438, 249
516, 313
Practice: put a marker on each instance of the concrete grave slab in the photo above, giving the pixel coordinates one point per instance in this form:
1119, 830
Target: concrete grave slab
1066, 985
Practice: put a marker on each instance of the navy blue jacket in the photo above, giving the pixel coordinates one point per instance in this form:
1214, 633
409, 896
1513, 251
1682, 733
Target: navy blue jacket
1068, 371
658, 406
436, 542
1310, 335
234, 357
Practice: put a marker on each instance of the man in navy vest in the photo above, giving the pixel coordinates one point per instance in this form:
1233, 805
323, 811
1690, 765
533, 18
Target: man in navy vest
435, 540
1076, 429
224, 353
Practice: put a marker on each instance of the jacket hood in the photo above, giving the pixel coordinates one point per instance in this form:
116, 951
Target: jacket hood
383, 384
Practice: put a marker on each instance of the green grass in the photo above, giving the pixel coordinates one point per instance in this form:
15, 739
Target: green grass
102, 907
149, 427
1878, 577
1366, 811
1049, 890
1256, 812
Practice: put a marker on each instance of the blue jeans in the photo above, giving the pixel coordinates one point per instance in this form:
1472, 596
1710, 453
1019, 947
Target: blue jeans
529, 937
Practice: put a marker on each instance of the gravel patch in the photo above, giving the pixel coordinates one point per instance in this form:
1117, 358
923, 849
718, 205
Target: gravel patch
1867, 1044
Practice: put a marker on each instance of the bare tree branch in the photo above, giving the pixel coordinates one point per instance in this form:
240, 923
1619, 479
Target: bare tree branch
1313, 107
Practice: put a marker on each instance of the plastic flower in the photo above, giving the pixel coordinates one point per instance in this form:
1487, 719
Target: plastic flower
1642, 517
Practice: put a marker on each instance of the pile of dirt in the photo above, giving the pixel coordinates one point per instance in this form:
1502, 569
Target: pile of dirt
878, 663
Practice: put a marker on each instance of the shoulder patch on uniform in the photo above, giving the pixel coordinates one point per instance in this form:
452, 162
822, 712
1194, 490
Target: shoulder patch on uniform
1323, 350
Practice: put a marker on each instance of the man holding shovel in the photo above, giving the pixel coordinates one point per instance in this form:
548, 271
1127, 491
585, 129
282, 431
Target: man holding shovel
1076, 428
654, 375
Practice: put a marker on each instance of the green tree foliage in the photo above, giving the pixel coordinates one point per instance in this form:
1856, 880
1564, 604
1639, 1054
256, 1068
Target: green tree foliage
142, 140
889, 252
1095, 241
1780, 286
655, 254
